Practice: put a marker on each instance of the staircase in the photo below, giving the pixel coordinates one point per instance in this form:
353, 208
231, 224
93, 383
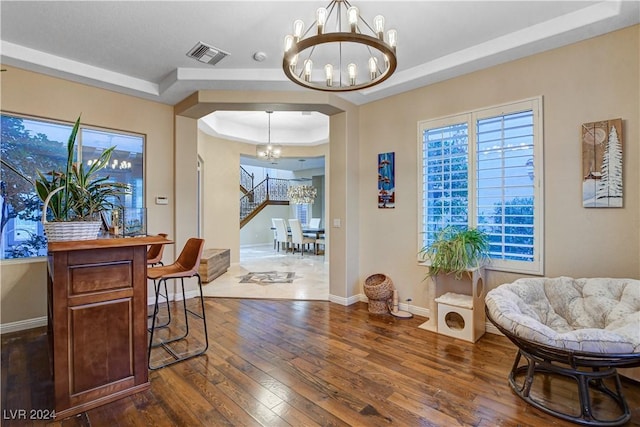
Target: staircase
270, 191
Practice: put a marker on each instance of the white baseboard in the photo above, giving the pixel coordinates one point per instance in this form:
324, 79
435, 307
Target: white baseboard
22, 325
344, 301
413, 309
418, 311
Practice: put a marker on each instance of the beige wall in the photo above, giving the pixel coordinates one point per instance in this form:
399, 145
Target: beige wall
23, 283
597, 79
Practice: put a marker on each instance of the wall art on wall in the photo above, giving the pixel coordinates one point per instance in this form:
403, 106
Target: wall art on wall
386, 180
602, 164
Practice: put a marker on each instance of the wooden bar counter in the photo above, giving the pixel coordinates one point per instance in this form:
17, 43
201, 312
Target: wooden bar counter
97, 320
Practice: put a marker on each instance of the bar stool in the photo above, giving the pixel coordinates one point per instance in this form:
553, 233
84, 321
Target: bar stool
154, 258
185, 266
154, 254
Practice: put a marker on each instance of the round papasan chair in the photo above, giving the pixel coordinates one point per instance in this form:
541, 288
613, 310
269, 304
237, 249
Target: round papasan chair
581, 329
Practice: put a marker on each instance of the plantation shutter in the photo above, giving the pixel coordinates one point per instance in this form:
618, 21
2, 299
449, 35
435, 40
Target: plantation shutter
484, 169
445, 178
505, 184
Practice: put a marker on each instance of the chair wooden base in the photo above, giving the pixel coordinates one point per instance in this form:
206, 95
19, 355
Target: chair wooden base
585, 381
588, 370
165, 343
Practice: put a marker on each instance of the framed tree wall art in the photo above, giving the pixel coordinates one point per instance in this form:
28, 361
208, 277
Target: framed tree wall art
386, 180
602, 145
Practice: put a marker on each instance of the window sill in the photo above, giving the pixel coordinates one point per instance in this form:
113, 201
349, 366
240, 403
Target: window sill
17, 261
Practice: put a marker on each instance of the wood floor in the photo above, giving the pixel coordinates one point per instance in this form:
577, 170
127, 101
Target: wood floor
298, 363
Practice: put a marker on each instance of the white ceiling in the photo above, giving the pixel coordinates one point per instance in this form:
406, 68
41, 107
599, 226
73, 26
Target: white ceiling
287, 127
139, 47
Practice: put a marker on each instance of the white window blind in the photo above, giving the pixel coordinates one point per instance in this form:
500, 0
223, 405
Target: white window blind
445, 188
484, 169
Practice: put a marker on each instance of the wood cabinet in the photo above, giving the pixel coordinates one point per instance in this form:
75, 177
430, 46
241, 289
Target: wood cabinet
97, 312
214, 263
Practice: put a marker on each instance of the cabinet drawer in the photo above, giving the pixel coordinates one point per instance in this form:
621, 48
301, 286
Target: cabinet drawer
90, 278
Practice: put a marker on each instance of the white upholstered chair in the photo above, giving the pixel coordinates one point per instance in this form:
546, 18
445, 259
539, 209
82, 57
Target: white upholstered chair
282, 236
297, 238
275, 233
313, 223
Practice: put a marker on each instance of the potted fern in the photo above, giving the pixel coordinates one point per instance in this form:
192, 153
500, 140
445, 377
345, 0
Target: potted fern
77, 196
456, 251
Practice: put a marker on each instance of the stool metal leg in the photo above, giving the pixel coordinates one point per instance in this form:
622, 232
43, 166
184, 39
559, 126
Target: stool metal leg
156, 287
164, 344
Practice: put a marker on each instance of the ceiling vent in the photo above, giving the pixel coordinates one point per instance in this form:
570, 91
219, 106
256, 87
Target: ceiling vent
207, 54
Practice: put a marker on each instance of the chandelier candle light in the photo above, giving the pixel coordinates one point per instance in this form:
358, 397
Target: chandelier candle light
269, 151
301, 194
359, 50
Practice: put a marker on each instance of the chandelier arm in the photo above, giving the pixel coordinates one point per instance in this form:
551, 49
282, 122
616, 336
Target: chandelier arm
340, 62
372, 55
365, 23
330, 7
313, 25
308, 57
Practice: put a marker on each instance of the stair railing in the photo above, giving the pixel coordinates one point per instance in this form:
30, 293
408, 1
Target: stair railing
246, 180
269, 190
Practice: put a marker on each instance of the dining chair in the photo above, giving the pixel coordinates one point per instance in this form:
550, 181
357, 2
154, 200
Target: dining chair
275, 233
282, 233
319, 241
155, 252
314, 223
298, 238
185, 266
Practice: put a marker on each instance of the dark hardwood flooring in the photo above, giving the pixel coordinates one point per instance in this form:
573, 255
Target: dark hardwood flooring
298, 363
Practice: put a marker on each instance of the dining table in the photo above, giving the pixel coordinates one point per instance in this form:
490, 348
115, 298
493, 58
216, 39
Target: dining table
307, 230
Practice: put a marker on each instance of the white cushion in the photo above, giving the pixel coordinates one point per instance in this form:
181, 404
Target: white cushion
600, 315
456, 300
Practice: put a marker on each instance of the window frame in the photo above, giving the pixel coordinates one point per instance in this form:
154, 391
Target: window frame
78, 152
535, 105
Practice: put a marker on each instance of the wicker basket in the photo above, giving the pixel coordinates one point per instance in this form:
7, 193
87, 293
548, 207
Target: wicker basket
61, 231
379, 289
71, 230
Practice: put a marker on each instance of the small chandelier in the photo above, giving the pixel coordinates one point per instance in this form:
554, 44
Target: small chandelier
269, 152
301, 194
343, 52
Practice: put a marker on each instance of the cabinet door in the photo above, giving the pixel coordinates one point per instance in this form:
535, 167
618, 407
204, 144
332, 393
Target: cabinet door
100, 340
101, 344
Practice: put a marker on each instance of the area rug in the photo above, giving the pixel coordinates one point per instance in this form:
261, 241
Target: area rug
268, 277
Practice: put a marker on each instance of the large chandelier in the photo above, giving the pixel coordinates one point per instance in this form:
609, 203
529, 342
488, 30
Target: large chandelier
344, 52
269, 152
301, 194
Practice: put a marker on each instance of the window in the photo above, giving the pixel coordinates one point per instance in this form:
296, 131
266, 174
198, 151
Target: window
30, 144
302, 213
484, 169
